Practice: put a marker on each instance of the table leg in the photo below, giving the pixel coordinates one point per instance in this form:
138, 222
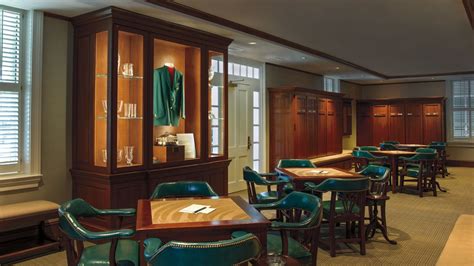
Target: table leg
394, 164
262, 236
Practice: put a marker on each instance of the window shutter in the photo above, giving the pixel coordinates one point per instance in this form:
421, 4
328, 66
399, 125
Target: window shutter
10, 29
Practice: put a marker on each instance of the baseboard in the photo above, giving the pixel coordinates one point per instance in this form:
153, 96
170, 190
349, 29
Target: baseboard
460, 163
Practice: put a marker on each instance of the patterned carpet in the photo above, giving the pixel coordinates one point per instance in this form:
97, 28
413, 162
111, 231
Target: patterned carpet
421, 226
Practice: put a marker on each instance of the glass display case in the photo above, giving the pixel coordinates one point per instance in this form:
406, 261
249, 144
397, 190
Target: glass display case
129, 108
176, 102
101, 105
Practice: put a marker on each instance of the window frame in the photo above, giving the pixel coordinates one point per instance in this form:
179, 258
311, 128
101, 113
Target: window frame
336, 84
450, 117
31, 61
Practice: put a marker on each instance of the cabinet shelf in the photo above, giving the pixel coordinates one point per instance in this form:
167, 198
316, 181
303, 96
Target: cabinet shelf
121, 118
120, 76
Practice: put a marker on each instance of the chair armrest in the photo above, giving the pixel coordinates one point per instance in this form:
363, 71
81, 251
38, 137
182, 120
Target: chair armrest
276, 225
123, 233
313, 187
267, 206
151, 247
276, 182
268, 174
118, 212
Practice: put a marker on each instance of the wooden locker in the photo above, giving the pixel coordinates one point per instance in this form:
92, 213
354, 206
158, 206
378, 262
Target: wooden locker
312, 125
364, 124
380, 124
322, 125
331, 127
397, 122
432, 123
301, 145
413, 123
281, 127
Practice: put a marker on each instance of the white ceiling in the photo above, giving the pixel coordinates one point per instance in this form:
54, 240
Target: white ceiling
375, 36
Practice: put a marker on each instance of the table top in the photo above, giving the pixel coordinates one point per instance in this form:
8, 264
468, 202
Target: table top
160, 214
413, 145
394, 153
317, 174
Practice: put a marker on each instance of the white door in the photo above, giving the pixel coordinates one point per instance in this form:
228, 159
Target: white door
240, 122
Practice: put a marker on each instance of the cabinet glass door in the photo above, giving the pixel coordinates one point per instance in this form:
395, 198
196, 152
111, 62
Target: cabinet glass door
129, 106
216, 110
101, 105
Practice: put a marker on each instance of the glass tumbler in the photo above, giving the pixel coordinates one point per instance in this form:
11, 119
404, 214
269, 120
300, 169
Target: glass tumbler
128, 154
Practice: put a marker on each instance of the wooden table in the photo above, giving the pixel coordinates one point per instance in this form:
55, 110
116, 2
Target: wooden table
393, 159
161, 218
301, 175
411, 147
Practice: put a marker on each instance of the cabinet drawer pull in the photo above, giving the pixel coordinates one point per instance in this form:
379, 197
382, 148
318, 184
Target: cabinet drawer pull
435, 113
409, 113
400, 114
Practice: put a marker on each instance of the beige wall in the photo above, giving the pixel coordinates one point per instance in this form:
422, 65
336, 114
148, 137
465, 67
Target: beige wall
278, 76
353, 91
56, 118
407, 90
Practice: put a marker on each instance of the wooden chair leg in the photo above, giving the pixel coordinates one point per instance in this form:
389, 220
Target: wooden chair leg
362, 236
420, 186
332, 239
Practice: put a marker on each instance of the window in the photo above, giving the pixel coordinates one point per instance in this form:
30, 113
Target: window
462, 103
256, 131
10, 90
331, 84
244, 71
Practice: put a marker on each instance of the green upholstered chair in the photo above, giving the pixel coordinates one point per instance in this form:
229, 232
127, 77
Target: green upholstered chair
362, 159
347, 205
119, 250
388, 147
425, 150
183, 189
394, 142
419, 168
379, 177
255, 179
303, 214
368, 148
244, 248
440, 147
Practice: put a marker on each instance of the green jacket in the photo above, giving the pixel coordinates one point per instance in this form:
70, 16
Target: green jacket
168, 103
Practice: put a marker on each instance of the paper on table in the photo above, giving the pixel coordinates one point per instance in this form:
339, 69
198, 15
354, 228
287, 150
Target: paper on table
207, 210
318, 172
193, 208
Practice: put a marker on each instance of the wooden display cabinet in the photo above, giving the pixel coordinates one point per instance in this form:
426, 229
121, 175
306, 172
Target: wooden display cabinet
410, 120
122, 103
304, 123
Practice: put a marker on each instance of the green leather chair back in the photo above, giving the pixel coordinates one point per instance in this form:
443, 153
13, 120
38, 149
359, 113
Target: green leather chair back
295, 163
378, 179
388, 147
368, 148
438, 143
425, 150
183, 189
392, 142
343, 185
420, 157
223, 253
253, 177
305, 202
438, 147
367, 155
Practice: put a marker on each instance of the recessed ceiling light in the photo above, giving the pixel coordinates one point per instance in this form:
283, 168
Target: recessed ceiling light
432, 78
252, 43
303, 57
337, 67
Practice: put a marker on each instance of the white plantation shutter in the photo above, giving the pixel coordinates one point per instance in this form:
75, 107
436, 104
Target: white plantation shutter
463, 110
10, 89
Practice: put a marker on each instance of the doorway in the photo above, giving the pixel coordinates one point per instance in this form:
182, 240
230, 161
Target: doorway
245, 117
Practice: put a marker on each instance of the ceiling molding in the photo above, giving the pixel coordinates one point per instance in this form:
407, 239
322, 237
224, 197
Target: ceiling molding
294, 69
61, 17
170, 4
469, 6
433, 75
402, 82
